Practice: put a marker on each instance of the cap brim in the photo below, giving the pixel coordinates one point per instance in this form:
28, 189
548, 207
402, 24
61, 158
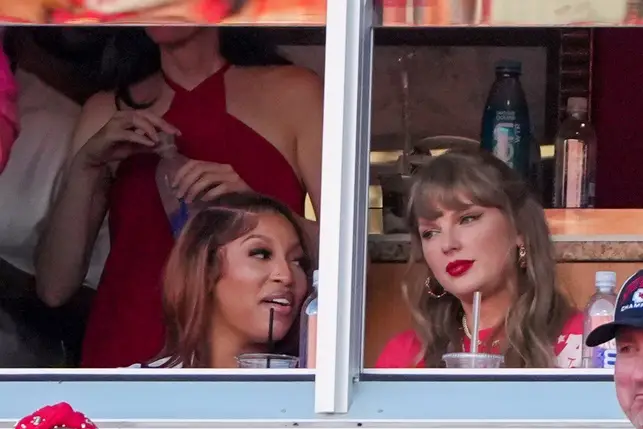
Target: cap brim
607, 332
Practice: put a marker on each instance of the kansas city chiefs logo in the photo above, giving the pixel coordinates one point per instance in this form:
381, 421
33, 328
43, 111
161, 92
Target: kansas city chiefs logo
637, 296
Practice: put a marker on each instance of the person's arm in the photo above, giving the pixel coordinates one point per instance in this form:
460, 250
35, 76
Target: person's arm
307, 96
102, 139
64, 249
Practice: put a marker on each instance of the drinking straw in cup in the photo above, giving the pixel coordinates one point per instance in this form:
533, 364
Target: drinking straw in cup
474, 359
475, 335
270, 359
271, 343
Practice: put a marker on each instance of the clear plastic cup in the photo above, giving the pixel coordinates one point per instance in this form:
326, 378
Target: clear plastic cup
266, 360
473, 360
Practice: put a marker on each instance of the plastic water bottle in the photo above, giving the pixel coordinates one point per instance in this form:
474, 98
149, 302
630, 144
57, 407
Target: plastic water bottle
506, 129
574, 181
176, 209
308, 330
600, 310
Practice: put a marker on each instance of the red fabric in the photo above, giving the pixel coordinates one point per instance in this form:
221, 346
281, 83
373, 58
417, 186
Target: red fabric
126, 324
9, 125
56, 416
402, 351
618, 109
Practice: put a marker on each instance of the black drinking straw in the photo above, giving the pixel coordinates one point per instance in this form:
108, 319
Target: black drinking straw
271, 342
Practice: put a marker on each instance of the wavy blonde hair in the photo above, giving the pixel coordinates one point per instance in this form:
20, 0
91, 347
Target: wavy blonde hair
539, 309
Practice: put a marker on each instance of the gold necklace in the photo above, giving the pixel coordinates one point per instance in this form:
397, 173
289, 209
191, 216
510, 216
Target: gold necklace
495, 343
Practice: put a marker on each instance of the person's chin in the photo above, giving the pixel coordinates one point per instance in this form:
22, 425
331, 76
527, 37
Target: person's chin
279, 331
463, 286
637, 419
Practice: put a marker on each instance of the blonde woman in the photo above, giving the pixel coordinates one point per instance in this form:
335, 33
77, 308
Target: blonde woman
476, 227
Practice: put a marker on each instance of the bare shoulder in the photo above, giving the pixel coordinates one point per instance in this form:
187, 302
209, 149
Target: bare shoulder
288, 80
298, 81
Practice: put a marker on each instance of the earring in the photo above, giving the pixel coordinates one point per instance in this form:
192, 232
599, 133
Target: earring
522, 256
427, 285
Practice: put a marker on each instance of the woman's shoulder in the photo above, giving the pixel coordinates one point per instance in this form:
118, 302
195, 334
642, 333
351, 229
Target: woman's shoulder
401, 351
574, 324
285, 79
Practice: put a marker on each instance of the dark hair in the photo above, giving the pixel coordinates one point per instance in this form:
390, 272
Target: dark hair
131, 56
78, 45
194, 268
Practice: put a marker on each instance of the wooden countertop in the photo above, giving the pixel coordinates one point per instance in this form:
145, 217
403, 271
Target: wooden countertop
579, 235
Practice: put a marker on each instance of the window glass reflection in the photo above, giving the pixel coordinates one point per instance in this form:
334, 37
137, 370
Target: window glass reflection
226, 113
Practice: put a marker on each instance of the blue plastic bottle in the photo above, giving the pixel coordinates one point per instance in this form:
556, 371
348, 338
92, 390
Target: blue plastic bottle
506, 129
177, 210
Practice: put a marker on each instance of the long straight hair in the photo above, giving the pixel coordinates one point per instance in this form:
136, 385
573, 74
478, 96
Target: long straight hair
539, 308
131, 57
194, 269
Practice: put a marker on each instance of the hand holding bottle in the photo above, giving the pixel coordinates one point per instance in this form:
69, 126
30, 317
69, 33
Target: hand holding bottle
126, 133
206, 181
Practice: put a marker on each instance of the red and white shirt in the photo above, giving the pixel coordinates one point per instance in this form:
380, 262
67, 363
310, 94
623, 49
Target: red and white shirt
403, 349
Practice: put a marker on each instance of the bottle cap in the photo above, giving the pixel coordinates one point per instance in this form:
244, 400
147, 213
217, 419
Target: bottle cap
315, 278
509, 66
577, 104
605, 279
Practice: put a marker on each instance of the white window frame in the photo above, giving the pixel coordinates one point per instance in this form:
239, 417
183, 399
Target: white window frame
343, 230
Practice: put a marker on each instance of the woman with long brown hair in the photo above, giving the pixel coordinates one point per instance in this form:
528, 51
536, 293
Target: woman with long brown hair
234, 262
475, 226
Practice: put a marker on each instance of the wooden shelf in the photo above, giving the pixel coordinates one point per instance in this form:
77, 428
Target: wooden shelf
596, 224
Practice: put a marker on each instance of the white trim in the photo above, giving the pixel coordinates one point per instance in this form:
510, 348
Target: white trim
133, 372
324, 424
343, 236
246, 373
520, 372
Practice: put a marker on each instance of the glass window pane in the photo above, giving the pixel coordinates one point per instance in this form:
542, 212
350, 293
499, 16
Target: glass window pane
430, 87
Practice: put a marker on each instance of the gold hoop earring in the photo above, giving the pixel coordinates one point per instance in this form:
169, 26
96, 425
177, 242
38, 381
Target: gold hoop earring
427, 285
522, 256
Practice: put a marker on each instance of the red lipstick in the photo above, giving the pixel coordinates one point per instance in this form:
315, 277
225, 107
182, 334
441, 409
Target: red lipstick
459, 267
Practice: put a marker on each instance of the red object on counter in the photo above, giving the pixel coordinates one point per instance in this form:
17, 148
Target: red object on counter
56, 416
126, 325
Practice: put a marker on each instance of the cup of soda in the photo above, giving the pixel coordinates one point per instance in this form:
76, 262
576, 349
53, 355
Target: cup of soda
267, 360
473, 360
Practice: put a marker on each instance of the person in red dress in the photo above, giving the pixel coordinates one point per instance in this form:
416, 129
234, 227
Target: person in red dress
245, 118
476, 227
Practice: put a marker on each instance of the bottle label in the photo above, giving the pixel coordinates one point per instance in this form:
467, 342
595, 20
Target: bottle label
603, 357
179, 218
311, 342
506, 135
574, 173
